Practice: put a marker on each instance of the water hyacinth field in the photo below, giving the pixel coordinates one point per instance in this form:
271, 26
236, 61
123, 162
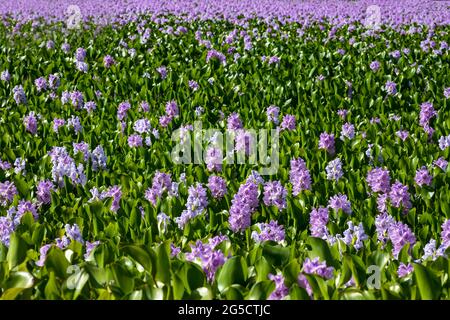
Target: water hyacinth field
210, 149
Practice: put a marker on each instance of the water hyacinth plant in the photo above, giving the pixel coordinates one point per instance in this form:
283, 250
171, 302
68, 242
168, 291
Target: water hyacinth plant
97, 105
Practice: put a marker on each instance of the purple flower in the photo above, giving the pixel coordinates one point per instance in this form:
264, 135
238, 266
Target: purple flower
318, 220
4, 165
5, 76
199, 111
444, 142
163, 221
164, 121
82, 66
382, 202
74, 233
341, 202
65, 47
326, 142
354, 235
80, 54
447, 93
318, 268
83, 148
375, 120
271, 231
19, 166
19, 95
244, 141
115, 193
174, 250
22, 208
441, 163
342, 113
98, 158
41, 84
273, 113
423, 177
348, 131
400, 234
334, 170
288, 122
404, 270
172, 109
7, 192
193, 85
30, 123
134, 141
274, 60
243, 204
314, 267
6, 228
281, 290
399, 196
62, 242
196, 203
275, 195
214, 159
108, 61
161, 183
162, 70
396, 54
75, 123
382, 223
427, 112
403, 135
90, 246
390, 87
214, 54
210, 259
378, 180
299, 176
122, 110
64, 165
43, 255
144, 107
375, 65
44, 189
90, 106
76, 98
53, 81
430, 251
234, 122
445, 233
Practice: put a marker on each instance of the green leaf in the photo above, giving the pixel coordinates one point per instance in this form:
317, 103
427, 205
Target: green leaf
261, 290
320, 248
427, 281
57, 262
11, 294
19, 280
17, 251
234, 271
276, 255
163, 263
140, 255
